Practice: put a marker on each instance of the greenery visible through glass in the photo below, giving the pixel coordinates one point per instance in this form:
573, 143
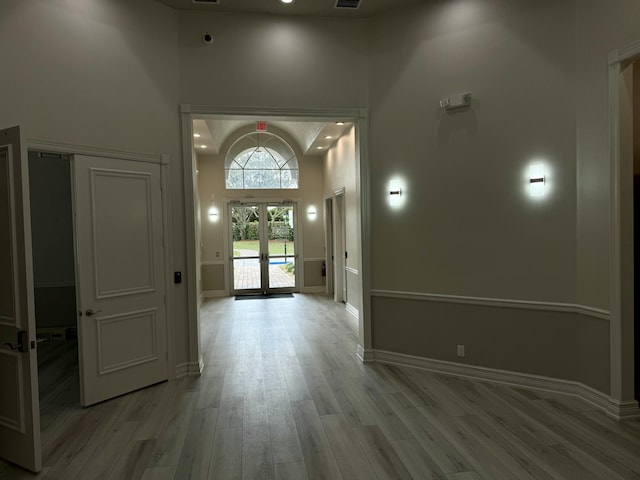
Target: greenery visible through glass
261, 161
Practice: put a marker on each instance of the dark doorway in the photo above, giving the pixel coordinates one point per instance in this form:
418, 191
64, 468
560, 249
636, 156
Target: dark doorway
636, 276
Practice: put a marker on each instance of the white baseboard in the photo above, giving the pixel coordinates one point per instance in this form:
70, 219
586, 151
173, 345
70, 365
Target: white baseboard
192, 369
623, 410
317, 289
353, 311
364, 355
600, 400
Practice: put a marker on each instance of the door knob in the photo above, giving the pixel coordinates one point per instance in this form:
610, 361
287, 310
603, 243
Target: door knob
11, 346
90, 313
21, 346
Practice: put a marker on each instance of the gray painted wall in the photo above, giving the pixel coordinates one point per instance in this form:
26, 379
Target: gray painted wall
340, 173
103, 74
469, 226
600, 28
212, 277
112, 74
313, 274
551, 344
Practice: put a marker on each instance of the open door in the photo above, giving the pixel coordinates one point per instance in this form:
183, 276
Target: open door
19, 406
339, 248
122, 325
328, 241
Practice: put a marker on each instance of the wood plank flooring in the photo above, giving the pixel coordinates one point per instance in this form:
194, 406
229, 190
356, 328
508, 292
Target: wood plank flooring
283, 397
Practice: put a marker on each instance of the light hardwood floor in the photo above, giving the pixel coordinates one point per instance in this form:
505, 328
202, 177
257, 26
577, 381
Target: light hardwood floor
283, 397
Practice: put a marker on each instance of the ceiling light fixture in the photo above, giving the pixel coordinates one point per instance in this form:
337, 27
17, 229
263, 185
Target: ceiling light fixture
286, 1
319, 148
203, 146
340, 123
328, 137
196, 135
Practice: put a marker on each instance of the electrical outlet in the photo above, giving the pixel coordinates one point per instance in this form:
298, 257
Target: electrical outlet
461, 350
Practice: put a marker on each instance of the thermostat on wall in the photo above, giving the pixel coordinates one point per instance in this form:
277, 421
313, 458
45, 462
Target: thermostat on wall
458, 100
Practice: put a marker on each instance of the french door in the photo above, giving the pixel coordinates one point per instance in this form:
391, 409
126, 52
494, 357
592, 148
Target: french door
19, 405
120, 277
263, 236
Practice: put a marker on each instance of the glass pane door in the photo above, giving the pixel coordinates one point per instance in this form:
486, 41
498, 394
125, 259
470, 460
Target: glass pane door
264, 253
281, 247
246, 258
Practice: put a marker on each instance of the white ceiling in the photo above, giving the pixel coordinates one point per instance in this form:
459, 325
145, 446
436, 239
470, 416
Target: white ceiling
309, 135
323, 8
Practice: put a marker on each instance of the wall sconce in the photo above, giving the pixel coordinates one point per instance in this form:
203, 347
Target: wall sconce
311, 212
213, 214
396, 194
537, 180
213, 211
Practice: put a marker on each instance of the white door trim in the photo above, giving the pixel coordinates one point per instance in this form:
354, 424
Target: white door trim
360, 117
340, 247
328, 241
621, 281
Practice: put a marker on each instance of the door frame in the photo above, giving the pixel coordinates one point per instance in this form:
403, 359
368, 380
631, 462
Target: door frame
328, 242
163, 160
620, 248
228, 251
339, 246
360, 118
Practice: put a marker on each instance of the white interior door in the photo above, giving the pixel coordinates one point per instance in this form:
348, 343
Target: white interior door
120, 276
328, 241
19, 406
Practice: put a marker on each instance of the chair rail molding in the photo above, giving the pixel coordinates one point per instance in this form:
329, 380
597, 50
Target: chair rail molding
495, 302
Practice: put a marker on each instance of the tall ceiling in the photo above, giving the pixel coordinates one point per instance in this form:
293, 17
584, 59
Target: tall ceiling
312, 137
323, 8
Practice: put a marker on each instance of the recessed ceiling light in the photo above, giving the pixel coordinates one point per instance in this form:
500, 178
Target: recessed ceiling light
328, 137
196, 135
340, 123
286, 1
203, 146
319, 148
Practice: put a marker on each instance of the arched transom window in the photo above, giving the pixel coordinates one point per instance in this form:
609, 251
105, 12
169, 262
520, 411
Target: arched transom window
261, 160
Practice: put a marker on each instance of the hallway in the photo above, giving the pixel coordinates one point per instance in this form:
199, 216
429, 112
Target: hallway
283, 396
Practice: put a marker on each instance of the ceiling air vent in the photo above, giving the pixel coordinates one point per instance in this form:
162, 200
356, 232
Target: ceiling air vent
348, 4
207, 2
